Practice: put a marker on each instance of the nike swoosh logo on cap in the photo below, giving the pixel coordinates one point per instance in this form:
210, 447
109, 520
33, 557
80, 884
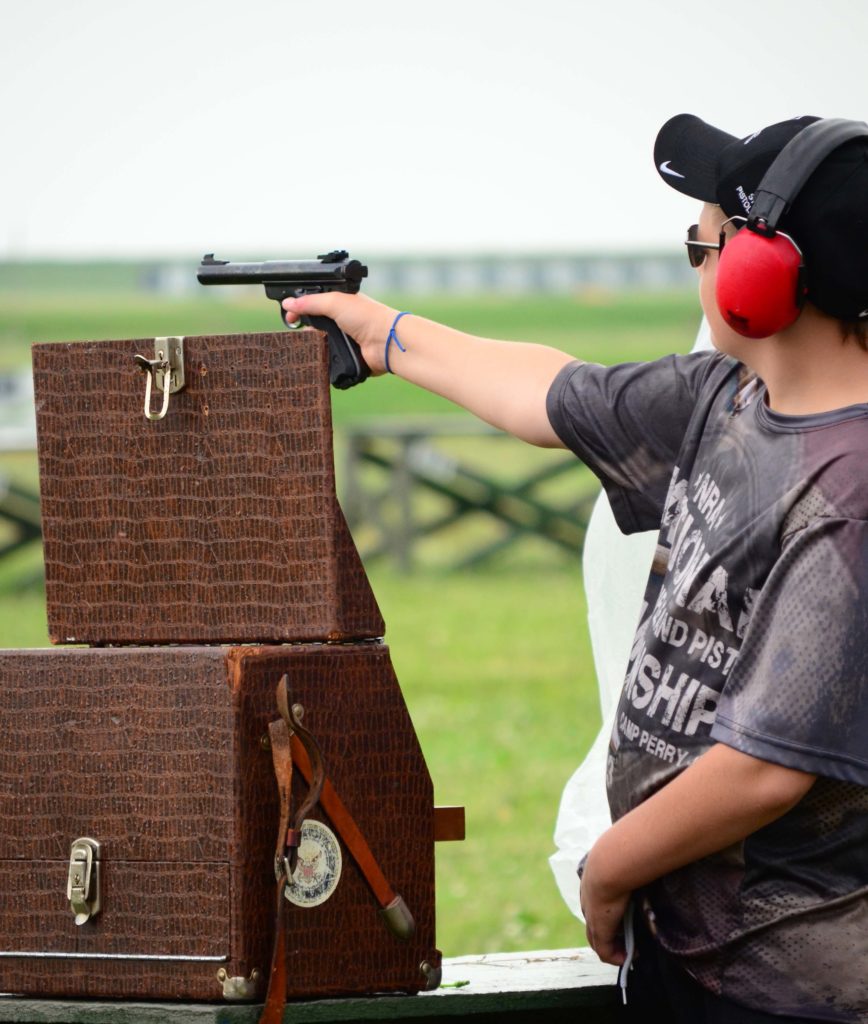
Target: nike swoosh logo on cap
666, 169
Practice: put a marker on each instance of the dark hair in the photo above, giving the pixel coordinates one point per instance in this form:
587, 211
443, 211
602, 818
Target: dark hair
857, 330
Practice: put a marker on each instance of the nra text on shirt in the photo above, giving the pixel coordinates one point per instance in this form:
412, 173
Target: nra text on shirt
668, 692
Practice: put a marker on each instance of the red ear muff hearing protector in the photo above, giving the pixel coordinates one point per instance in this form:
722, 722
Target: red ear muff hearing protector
761, 281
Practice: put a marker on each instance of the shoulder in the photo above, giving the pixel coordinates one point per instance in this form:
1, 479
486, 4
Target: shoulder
691, 372
835, 473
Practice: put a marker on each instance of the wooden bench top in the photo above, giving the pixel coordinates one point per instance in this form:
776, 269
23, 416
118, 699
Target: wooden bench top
545, 986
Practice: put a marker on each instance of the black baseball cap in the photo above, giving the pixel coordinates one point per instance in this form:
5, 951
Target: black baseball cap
828, 219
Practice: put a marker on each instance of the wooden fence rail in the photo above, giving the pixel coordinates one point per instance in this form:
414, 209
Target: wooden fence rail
410, 458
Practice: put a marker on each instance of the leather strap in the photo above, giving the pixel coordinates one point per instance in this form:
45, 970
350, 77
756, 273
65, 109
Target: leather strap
275, 999
281, 755
347, 829
292, 744
305, 742
288, 835
307, 755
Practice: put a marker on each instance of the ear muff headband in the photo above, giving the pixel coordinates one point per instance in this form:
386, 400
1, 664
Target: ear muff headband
792, 167
761, 284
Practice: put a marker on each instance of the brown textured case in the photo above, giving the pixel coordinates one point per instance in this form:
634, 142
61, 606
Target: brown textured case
216, 524
158, 755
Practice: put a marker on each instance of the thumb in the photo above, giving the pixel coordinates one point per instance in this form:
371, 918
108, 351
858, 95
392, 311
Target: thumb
310, 305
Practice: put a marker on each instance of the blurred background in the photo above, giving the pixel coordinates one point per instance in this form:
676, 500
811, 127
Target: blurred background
491, 162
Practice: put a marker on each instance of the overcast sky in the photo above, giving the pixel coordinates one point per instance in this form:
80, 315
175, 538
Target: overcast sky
277, 127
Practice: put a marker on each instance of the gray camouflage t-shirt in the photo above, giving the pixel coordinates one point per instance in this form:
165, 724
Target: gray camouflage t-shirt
754, 633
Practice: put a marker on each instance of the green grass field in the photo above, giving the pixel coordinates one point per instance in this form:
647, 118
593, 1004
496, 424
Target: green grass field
495, 664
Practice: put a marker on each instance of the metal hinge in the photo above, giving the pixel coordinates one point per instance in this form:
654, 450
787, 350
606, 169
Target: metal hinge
82, 883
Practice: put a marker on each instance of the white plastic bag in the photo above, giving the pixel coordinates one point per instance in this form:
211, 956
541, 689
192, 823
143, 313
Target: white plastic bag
615, 571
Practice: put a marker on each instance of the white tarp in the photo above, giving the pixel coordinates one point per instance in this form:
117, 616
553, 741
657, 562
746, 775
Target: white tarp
615, 570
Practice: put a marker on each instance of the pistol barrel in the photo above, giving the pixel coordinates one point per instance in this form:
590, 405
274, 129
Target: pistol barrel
349, 272
334, 272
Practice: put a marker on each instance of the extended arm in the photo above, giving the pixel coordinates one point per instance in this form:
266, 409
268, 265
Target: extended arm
721, 798
504, 383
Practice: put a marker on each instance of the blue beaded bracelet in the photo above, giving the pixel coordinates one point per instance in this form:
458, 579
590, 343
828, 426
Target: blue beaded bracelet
393, 337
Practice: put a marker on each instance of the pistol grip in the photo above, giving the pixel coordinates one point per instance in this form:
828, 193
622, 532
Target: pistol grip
346, 365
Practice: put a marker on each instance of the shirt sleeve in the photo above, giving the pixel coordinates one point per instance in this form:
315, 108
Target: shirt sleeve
798, 693
627, 424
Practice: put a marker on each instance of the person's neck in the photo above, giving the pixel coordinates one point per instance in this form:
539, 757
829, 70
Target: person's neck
808, 368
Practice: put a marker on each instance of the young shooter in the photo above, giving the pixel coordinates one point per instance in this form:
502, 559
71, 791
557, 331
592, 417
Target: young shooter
738, 765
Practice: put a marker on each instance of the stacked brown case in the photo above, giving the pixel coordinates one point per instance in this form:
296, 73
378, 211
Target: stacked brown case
217, 524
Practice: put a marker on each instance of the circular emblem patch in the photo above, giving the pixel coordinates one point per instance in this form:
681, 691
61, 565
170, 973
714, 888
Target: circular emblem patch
318, 868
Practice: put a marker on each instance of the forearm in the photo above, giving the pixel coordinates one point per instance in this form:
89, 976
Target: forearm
720, 799
505, 383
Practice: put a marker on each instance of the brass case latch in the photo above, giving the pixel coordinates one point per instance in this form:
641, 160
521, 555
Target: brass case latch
83, 882
165, 372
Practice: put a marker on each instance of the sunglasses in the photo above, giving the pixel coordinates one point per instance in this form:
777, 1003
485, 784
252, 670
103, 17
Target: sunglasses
696, 250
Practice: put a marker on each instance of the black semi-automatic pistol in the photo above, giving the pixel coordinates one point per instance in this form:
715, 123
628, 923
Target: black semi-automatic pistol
285, 279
